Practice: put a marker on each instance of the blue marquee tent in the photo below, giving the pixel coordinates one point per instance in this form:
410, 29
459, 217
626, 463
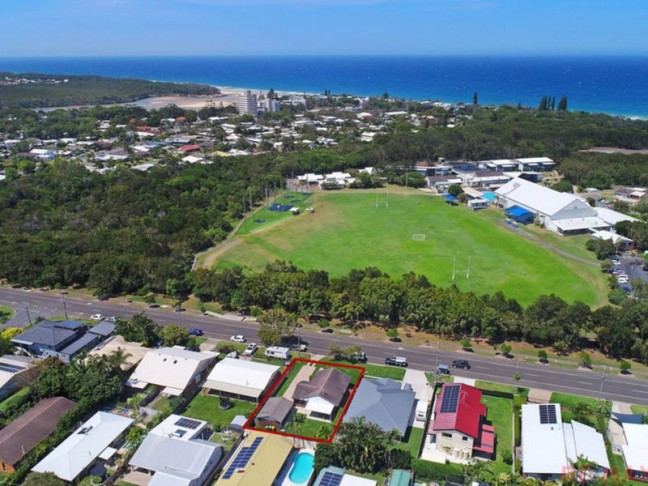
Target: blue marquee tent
520, 215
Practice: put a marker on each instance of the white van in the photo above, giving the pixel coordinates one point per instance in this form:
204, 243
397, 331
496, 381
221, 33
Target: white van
277, 352
421, 411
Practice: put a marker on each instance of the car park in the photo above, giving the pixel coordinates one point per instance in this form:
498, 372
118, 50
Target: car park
238, 338
96, 317
461, 363
250, 350
396, 361
194, 331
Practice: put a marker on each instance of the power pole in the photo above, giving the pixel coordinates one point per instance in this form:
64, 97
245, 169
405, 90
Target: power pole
28, 316
64, 306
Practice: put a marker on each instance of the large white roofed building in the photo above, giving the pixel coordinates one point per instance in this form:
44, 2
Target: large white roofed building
241, 379
558, 211
175, 369
76, 453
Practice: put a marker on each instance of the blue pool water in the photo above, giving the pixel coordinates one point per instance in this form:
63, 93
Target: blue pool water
490, 196
302, 468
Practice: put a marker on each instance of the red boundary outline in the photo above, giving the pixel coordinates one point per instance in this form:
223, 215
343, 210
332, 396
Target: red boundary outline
275, 385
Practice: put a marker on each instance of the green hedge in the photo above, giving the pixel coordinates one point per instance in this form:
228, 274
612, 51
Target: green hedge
434, 471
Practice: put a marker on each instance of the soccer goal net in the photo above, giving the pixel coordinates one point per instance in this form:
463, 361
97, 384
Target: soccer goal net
418, 236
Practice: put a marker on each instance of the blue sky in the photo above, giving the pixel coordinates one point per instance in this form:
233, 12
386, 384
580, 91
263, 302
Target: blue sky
355, 27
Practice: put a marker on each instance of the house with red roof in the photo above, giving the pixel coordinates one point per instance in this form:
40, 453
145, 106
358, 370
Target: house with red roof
458, 425
189, 148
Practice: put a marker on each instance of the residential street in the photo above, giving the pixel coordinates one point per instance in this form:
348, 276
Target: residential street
499, 369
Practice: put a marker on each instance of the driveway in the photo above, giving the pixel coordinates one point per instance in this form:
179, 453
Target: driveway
419, 383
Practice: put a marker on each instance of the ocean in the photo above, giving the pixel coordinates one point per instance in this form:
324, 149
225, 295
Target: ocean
614, 85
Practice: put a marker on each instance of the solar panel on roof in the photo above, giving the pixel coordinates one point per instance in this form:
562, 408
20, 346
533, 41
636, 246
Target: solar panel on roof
450, 399
242, 458
331, 479
548, 414
188, 423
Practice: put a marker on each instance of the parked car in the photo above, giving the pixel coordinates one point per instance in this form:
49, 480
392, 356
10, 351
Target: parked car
153, 306
396, 361
461, 363
443, 369
250, 350
232, 354
96, 317
239, 338
360, 357
327, 330
111, 319
195, 331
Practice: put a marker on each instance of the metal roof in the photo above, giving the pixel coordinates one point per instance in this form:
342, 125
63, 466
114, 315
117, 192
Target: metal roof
84, 445
382, 402
329, 384
466, 417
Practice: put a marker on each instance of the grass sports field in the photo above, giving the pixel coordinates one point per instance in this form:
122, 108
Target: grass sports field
359, 229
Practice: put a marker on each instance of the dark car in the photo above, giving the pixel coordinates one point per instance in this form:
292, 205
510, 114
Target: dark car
327, 330
461, 363
396, 361
194, 331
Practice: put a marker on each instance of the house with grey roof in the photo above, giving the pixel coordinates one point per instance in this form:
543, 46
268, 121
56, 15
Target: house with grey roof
177, 452
274, 413
61, 339
383, 402
323, 393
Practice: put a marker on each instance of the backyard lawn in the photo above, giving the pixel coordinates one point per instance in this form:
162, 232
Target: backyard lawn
308, 428
413, 439
370, 233
16, 399
500, 414
205, 407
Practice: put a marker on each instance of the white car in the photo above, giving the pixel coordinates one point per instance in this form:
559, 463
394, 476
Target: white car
96, 317
239, 338
250, 350
622, 280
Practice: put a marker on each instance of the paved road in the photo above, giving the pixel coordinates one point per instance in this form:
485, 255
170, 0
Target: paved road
625, 389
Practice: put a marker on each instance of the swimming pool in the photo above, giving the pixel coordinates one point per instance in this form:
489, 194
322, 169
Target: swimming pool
302, 468
489, 196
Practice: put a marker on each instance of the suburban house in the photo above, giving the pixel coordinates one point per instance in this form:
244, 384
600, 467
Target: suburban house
635, 451
175, 369
323, 393
274, 413
559, 212
91, 441
458, 425
28, 430
549, 446
244, 380
331, 475
383, 402
62, 339
257, 462
16, 372
177, 452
